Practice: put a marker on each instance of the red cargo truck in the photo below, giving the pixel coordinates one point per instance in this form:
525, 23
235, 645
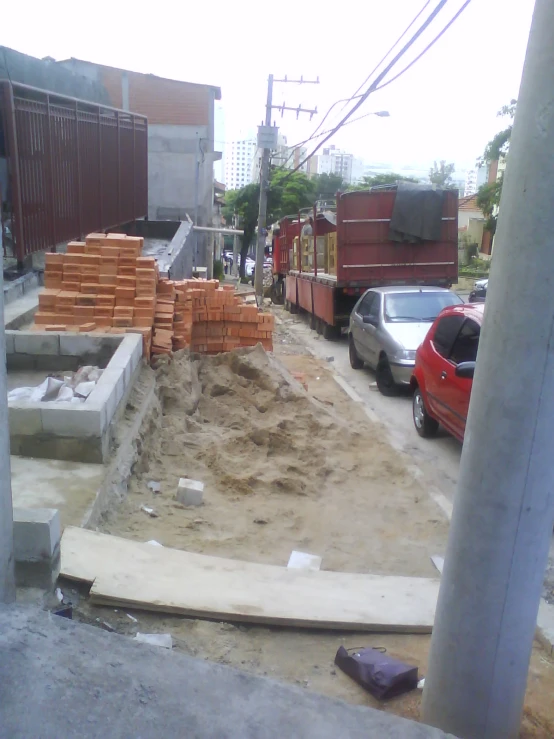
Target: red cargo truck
370, 251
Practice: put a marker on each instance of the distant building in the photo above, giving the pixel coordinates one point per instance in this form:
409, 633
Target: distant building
239, 156
335, 161
474, 179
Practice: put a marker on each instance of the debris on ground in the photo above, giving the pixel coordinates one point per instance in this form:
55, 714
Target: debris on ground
155, 640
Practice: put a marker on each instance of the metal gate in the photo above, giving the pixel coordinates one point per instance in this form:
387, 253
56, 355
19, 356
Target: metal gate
74, 167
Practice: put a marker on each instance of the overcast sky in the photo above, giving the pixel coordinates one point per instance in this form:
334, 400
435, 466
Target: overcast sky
443, 108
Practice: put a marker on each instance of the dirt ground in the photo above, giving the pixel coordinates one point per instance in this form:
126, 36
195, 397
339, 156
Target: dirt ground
285, 469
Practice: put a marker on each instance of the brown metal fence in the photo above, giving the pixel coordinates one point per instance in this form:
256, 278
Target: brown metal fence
74, 167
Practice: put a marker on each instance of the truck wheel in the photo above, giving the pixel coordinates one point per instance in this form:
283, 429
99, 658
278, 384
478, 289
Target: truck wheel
293, 308
313, 322
424, 424
355, 361
385, 380
319, 326
331, 333
287, 305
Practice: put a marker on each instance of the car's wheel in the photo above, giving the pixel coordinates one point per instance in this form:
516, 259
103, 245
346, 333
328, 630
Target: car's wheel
355, 361
385, 380
424, 424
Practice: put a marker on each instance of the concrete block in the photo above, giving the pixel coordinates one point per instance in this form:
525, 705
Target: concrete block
35, 342
110, 378
36, 534
77, 345
190, 492
24, 421
10, 344
74, 420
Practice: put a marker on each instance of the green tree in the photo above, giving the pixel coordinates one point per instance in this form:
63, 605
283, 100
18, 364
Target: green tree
288, 193
441, 174
378, 180
327, 185
488, 196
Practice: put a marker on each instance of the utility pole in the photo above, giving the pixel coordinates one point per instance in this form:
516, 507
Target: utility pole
504, 506
264, 187
234, 270
264, 173
7, 577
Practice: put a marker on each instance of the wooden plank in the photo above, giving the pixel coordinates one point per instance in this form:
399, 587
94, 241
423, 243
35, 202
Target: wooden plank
134, 574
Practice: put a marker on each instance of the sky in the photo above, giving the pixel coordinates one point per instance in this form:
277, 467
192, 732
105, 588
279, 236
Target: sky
444, 107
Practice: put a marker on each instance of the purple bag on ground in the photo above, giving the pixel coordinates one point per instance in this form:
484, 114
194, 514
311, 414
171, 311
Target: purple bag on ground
383, 676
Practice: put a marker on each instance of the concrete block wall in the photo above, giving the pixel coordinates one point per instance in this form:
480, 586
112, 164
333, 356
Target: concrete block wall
73, 432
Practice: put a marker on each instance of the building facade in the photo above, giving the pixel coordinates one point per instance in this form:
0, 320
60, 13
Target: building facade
239, 156
181, 151
342, 163
474, 179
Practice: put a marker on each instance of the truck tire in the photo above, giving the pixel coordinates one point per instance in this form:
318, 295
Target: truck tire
293, 308
385, 380
355, 361
424, 424
313, 322
319, 326
331, 333
287, 305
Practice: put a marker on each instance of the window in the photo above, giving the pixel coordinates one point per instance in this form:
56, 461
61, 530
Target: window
446, 332
417, 306
375, 307
365, 306
466, 344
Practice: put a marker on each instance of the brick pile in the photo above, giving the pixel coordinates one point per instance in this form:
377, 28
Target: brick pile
207, 318
104, 285
101, 285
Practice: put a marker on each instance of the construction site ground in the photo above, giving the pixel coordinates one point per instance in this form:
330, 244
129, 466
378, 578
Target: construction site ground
284, 469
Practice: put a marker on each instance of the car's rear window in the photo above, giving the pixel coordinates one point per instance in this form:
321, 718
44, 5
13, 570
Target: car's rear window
417, 306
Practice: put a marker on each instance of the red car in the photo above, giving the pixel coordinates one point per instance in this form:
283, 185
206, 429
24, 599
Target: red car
443, 372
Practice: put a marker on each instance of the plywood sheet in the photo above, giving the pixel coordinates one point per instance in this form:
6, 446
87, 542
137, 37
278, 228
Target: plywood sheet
133, 574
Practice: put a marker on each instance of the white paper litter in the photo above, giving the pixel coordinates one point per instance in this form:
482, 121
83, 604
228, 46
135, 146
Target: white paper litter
84, 389
154, 543
135, 620
73, 389
65, 395
303, 561
156, 640
151, 512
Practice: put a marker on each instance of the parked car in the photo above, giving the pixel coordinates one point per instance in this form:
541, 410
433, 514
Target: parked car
479, 292
444, 367
387, 325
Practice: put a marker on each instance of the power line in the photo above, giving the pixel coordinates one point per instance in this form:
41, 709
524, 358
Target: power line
375, 85
355, 95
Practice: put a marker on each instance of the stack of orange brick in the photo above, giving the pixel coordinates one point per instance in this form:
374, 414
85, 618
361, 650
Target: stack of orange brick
100, 285
208, 318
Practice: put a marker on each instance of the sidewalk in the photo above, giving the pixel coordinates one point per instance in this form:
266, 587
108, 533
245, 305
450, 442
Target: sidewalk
59, 678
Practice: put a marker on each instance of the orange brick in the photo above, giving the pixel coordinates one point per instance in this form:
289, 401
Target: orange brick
122, 322
146, 262
71, 269
108, 261
127, 261
71, 286
85, 299
45, 317
107, 279
85, 327
125, 303
103, 321
76, 247
146, 274
108, 269
83, 311
162, 307
53, 258
145, 292
107, 290
52, 283
145, 302
90, 288
125, 292
123, 281
142, 321
47, 299
95, 238
89, 260
136, 241
105, 300
122, 312
103, 311
109, 251
125, 271
55, 327
118, 330
92, 249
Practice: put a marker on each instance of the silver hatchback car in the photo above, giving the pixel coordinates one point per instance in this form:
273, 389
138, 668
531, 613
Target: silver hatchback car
386, 327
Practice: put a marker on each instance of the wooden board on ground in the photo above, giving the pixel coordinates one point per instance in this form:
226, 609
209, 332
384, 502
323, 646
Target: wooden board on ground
133, 574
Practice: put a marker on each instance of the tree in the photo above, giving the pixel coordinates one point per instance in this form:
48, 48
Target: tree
488, 195
327, 185
378, 180
287, 194
441, 174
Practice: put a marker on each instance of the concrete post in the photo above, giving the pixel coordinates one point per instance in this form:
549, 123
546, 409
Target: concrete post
235, 269
264, 187
504, 507
7, 578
